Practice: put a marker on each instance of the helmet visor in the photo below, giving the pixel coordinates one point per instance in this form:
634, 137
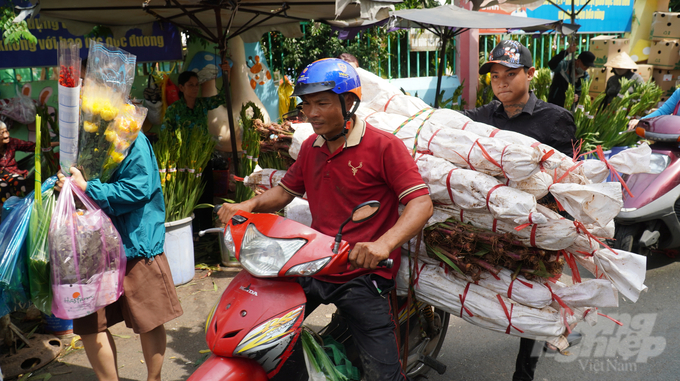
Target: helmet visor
311, 88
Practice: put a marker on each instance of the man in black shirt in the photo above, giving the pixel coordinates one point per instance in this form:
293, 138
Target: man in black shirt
517, 109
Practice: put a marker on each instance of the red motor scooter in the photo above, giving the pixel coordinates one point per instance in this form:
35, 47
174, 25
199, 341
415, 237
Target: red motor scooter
650, 220
253, 331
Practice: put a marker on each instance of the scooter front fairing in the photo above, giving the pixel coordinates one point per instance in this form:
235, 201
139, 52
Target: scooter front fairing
259, 319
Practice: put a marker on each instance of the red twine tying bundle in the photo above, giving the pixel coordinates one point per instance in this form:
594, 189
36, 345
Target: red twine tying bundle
462, 301
508, 314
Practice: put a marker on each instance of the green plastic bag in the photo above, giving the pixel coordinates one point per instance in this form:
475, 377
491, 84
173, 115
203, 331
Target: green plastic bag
38, 258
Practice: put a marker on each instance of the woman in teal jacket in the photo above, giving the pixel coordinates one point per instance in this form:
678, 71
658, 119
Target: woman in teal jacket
133, 199
668, 108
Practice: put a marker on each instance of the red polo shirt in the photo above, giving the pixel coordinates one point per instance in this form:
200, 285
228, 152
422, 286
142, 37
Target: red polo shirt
372, 165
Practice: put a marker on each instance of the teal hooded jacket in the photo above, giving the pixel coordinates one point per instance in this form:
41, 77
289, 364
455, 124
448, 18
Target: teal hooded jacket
133, 198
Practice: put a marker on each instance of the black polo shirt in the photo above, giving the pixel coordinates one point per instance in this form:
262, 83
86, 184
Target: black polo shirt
545, 122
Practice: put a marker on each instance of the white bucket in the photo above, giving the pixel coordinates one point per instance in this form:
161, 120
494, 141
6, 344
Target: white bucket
179, 249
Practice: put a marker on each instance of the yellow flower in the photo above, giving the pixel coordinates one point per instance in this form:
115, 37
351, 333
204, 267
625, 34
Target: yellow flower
129, 108
117, 157
86, 106
124, 126
90, 127
110, 134
121, 144
134, 126
108, 113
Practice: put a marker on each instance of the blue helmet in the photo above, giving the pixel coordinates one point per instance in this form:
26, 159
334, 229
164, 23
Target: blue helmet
331, 74
326, 74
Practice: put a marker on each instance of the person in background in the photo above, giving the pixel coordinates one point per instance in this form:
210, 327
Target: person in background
349, 58
670, 107
517, 109
192, 111
562, 74
623, 67
12, 179
133, 199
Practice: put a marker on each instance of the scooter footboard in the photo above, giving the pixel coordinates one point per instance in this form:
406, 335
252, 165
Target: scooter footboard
217, 368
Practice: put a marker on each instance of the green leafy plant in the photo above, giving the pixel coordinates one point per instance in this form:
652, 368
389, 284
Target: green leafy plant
540, 85
456, 102
251, 145
293, 54
608, 126
182, 155
14, 32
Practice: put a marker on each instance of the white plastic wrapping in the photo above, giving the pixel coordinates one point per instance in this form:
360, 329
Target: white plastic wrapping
591, 204
372, 85
69, 125
298, 210
485, 308
631, 160
625, 270
302, 132
472, 190
264, 178
589, 293
491, 156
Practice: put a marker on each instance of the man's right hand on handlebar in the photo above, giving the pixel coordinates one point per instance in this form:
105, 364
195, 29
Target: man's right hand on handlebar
227, 211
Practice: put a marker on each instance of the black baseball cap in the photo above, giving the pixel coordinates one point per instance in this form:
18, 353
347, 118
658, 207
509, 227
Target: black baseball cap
508, 53
587, 58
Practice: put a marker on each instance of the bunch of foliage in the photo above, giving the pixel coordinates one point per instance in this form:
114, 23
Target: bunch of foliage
607, 126
13, 32
182, 155
320, 41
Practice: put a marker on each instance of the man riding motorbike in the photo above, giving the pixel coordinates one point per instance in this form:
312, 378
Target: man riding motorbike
346, 163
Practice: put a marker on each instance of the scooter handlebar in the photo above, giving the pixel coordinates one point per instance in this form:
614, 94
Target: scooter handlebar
387, 263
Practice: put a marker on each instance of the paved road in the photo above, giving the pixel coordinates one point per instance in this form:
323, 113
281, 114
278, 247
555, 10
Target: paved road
646, 348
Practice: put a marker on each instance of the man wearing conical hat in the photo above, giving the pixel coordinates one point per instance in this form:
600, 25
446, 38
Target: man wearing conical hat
623, 67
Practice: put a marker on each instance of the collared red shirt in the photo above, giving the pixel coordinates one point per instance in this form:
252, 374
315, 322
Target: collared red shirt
8, 162
372, 165
545, 122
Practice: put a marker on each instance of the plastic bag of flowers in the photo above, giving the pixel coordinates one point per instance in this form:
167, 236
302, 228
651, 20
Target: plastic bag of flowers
107, 84
87, 256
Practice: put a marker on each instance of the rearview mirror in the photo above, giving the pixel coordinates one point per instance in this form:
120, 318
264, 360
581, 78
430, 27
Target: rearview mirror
360, 213
365, 211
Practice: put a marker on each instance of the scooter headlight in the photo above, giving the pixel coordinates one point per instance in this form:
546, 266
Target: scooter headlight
309, 268
658, 162
265, 256
229, 243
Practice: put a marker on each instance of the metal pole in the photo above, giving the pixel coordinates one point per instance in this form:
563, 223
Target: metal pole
440, 71
572, 16
222, 45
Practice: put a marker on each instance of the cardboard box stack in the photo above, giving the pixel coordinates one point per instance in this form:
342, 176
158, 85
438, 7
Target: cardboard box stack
604, 47
645, 71
667, 80
664, 53
599, 75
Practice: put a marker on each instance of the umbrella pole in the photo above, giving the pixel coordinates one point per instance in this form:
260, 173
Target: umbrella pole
440, 71
222, 45
572, 41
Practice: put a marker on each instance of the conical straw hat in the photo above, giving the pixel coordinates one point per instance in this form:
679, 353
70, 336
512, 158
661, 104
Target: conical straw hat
621, 61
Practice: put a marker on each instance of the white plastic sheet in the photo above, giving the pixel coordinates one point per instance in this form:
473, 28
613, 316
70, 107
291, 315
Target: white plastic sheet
485, 308
472, 190
625, 270
591, 204
302, 132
